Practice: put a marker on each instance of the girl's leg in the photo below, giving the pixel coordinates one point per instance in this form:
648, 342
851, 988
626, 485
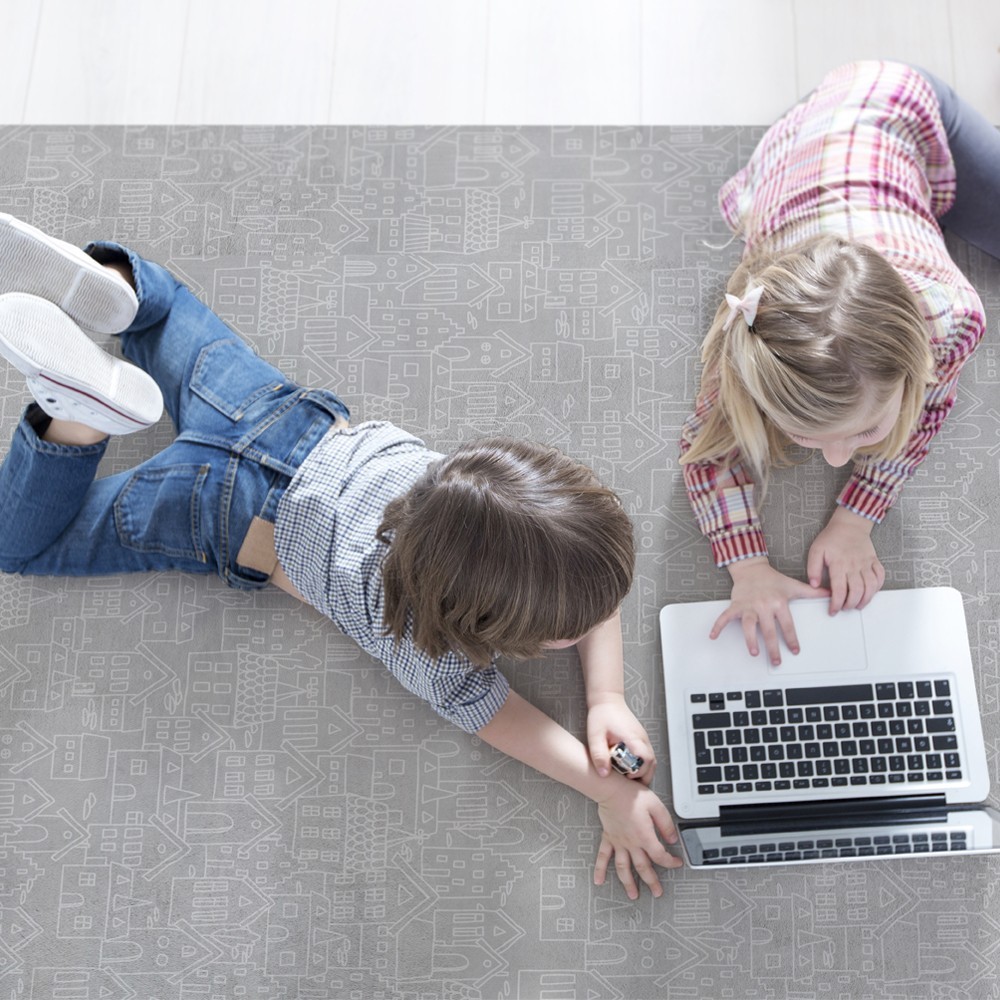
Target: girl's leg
975, 148
188, 350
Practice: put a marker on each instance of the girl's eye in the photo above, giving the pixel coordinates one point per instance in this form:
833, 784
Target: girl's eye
869, 434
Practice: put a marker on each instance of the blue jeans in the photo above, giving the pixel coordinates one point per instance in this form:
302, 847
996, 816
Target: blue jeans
242, 431
975, 148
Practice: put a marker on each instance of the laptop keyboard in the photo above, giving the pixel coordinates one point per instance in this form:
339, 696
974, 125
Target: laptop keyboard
764, 852
839, 736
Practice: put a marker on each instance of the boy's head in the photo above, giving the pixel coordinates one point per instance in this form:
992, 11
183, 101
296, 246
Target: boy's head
501, 547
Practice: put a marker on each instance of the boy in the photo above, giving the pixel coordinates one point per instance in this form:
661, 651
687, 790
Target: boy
434, 564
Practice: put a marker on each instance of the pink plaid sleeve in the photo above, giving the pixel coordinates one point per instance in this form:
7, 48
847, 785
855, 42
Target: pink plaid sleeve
721, 496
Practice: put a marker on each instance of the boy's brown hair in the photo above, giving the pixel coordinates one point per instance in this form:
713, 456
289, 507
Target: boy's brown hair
500, 547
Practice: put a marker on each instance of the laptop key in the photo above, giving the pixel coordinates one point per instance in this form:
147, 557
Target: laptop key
943, 707
773, 698
751, 699
828, 695
697, 699
949, 742
762, 786
923, 689
813, 714
706, 774
942, 688
712, 720
940, 725
706, 789
953, 775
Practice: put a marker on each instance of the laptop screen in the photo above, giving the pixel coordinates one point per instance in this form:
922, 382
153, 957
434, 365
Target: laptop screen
968, 830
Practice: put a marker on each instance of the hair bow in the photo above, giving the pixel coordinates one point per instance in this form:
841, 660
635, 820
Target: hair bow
747, 305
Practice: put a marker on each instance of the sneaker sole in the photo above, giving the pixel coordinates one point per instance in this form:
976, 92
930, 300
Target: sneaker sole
45, 345
32, 262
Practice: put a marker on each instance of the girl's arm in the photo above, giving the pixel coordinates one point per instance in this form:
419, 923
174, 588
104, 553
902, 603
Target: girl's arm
633, 817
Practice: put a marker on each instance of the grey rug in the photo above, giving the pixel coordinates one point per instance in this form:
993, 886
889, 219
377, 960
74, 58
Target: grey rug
206, 794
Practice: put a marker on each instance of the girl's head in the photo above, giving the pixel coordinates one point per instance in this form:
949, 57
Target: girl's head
505, 546
837, 357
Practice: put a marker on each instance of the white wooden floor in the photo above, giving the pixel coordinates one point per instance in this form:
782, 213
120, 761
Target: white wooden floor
467, 61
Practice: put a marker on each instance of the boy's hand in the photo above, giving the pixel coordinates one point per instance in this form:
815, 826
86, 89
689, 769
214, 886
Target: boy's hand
634, 820
844, 548
760, 600
609, 722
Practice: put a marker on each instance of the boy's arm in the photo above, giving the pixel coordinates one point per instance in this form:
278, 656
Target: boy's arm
633, 817
609, 719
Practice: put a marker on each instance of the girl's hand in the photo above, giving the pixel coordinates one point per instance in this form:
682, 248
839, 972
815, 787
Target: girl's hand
844, 548
634, 820
610, 721
760, 600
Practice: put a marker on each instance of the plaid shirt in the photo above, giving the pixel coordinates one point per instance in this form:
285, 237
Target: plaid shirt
864, 156
324, 534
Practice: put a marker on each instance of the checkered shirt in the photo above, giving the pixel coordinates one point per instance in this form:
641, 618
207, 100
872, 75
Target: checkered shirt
325, 537
864, 156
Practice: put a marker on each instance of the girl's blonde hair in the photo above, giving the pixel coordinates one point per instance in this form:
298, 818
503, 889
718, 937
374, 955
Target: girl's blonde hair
836, 326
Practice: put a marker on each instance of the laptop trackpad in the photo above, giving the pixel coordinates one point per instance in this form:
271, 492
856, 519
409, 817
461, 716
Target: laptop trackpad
830, 644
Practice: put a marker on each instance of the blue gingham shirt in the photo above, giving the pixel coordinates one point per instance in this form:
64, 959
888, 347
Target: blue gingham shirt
325, 537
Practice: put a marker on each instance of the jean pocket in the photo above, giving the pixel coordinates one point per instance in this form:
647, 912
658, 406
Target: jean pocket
159, 510
231, 378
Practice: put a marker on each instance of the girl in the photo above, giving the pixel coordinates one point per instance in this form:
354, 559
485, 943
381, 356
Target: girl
845, 326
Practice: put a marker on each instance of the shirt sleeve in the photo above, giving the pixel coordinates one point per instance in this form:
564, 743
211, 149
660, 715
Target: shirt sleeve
466, 695
721, 496
874, 485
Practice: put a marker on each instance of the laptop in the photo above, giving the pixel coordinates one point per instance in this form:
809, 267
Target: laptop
866, 744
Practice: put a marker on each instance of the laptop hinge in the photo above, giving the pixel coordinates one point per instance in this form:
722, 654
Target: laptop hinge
824, 812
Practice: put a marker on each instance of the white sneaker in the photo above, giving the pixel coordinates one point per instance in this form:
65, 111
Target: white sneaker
68, 374
95, 297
